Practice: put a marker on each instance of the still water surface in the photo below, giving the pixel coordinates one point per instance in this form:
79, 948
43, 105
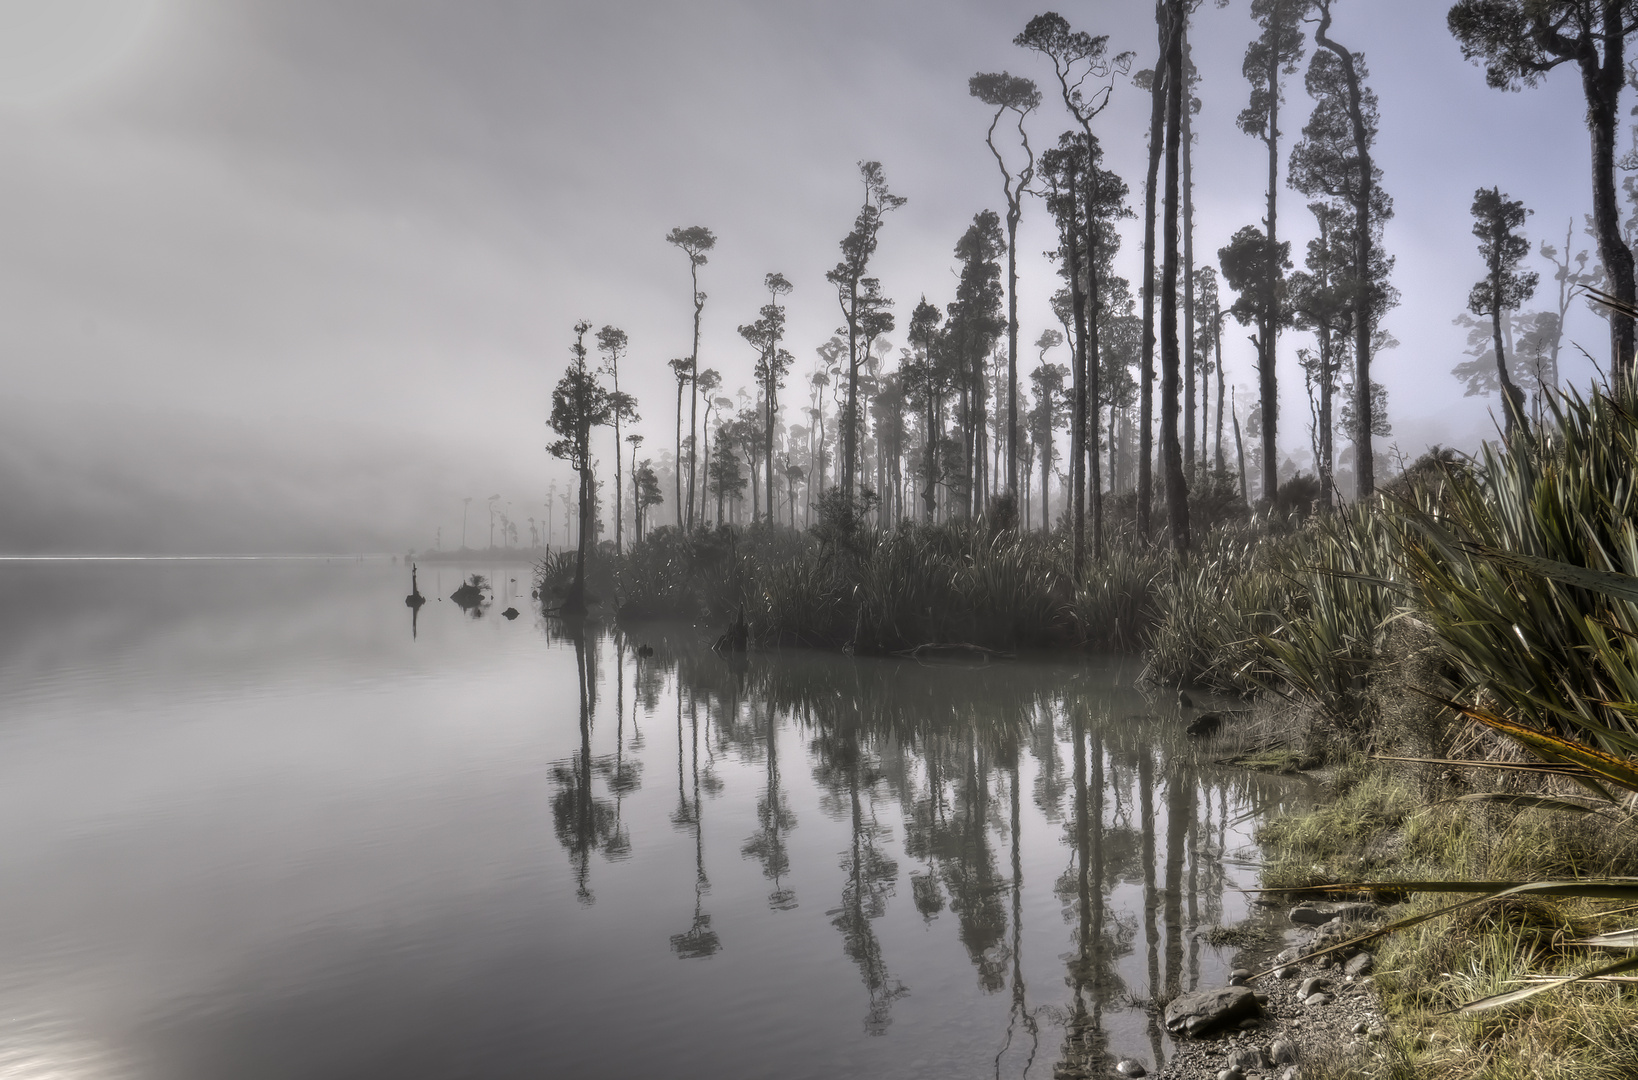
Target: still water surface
257, 824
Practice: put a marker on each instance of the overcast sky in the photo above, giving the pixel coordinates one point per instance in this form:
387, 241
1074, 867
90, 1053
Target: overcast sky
299, 275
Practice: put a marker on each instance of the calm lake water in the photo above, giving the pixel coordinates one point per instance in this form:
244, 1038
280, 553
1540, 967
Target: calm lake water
257, 823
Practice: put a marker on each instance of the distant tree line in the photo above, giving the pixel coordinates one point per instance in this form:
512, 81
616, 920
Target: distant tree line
943, 430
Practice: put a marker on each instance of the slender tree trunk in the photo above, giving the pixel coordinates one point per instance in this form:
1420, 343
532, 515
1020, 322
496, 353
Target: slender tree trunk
1094, 303
1240, 454
768, 440
1157, 110
694, 396
1013, 214
576, 601
1326, 466
1046, 465
1077, 302
1217, 346
1364, 317
1602, 86
1512, 396
850, 422
1188, 270
619, 486
1177, 493
1269, 320
676, 469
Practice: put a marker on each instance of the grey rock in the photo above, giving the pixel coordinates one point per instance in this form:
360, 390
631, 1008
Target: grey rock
1248, 1057
1130, 1067
1208, 1010
1312, 985
1238, 976
1312, 914
1285, 972
1318, 999
1230, 1074
1333, 933
1291, 1074
1363, 964
1287, 956
1260, 997
1283, 1051
1250, 1023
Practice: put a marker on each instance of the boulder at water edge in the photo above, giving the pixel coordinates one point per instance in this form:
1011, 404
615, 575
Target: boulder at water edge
1208, 1010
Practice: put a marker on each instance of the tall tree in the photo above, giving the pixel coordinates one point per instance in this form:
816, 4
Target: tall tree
1191, 105
694, 242
1156, 85
1520, 41
926, 383
1209, 342
1086, 74
772, 363
861, 300
1320, 301
1496, 222
707, 382
579, 403
1246, 260
680, 367
1010, 93
1334, 159
974, 324
1177, 493
1064, 167
611, 342
1276, 51
1048, 414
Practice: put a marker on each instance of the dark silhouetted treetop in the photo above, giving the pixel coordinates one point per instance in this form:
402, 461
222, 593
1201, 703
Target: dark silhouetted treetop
1245, 262
1519, 41
1326, 160
694, 241
1496, 222
1078, 58
1280, 46
579, 403
1005, 91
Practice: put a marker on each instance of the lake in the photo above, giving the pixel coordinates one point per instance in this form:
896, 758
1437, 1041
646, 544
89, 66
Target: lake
261, 820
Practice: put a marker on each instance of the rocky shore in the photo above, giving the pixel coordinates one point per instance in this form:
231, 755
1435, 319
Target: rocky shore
1281, 1026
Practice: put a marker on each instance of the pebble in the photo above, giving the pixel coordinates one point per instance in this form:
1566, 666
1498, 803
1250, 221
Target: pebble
1129, 1067
1318, 999
1230, 1074
1311, 986
1249, 1057
1360, 965
1283, 1052
1361, 1028
1290, 1074
1238, 976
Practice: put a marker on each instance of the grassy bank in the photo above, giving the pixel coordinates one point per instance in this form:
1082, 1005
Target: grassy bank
1389, 823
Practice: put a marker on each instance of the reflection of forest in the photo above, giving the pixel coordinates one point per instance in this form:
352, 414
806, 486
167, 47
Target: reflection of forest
954, 756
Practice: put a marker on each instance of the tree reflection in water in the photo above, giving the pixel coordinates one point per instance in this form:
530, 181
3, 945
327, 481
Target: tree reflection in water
969, 761
584, 822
